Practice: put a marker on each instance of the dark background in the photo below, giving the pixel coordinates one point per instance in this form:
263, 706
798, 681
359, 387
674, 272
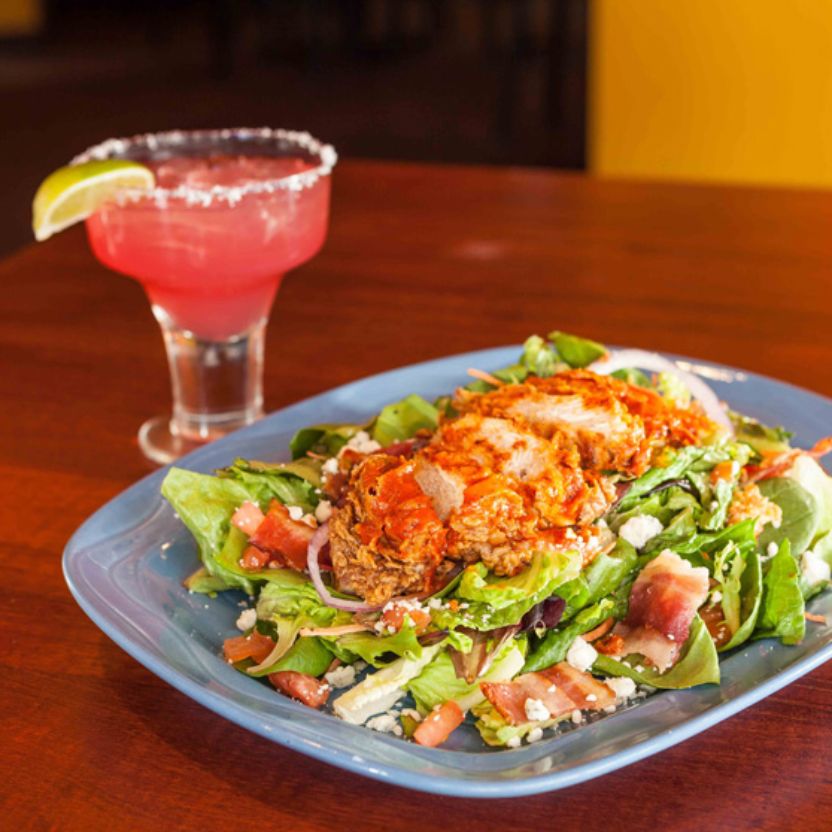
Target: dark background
471, 81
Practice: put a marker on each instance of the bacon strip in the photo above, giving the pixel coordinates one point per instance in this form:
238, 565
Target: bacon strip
561, 688
663, 601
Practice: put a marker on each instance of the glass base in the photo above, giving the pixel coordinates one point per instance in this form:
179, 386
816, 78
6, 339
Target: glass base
160, 444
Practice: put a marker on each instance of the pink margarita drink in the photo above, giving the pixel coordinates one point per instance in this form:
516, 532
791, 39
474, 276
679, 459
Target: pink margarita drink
231, 212
211, 245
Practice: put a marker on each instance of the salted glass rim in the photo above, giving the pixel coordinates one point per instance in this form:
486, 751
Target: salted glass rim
171, 139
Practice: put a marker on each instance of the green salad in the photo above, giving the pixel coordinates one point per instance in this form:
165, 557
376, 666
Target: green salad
543, 546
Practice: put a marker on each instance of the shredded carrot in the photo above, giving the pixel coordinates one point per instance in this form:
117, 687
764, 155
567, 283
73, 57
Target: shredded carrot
601, 630
821, 447
818, 619
486, 377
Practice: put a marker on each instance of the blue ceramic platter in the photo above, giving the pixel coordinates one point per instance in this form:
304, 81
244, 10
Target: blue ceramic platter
126, 564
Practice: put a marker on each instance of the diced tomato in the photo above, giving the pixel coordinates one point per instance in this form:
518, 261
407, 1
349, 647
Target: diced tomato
247, 518
301, 686
439, 724
279, 535
254, 646
612, 645
393, 616
254, 558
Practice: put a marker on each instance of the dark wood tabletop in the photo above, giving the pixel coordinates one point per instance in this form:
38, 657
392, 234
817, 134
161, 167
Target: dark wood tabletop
421, 261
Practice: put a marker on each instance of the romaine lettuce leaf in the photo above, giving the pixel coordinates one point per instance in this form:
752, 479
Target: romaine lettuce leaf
600, 579
698, 664
438, 682
576, 351
372, 648
203, 582
205, 505
325, 440
633, 376
291, 483
289, 594
746, 596
403, 419
783, 608
489, 601
306, 655
539, 358
381, 690
664, 505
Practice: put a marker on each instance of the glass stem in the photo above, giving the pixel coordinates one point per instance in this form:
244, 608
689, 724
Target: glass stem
217, 385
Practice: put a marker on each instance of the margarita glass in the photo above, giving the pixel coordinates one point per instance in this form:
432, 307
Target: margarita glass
232, 211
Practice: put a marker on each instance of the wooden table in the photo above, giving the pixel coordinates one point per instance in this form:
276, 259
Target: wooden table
421, 261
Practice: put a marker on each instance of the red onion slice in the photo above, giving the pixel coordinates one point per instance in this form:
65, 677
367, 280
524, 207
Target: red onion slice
317, 542
641, 359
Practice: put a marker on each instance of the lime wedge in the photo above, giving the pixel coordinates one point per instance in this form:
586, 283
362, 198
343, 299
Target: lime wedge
71, 194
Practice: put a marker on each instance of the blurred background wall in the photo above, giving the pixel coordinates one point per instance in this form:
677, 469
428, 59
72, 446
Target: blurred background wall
719, 90
709, 90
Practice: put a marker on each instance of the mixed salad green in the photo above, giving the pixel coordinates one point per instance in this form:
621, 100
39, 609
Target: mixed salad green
419, 665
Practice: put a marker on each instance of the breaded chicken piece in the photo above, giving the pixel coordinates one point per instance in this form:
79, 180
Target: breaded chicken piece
386, 539
615, 426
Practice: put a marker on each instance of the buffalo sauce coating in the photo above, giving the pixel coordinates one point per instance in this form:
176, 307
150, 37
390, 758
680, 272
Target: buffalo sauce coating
396, 510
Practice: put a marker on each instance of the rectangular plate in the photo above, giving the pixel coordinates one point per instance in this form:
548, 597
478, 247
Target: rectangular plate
126, 564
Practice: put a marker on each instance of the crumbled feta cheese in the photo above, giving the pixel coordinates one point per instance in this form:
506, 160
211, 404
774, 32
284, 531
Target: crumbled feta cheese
610, 709
772, 549
581, 655
435, 603
359, 666
591, 697
638, 531
513, 742
361, 443
577, 717
385, 724
341, 677
814, 569
622, 686
639, 669
323, 511
295, 512
534, 735
330, 467
552, 688
536, 710
412, 713
246, 620
716, 596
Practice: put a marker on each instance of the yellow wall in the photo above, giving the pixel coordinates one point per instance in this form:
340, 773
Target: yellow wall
731, 90
20, 17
